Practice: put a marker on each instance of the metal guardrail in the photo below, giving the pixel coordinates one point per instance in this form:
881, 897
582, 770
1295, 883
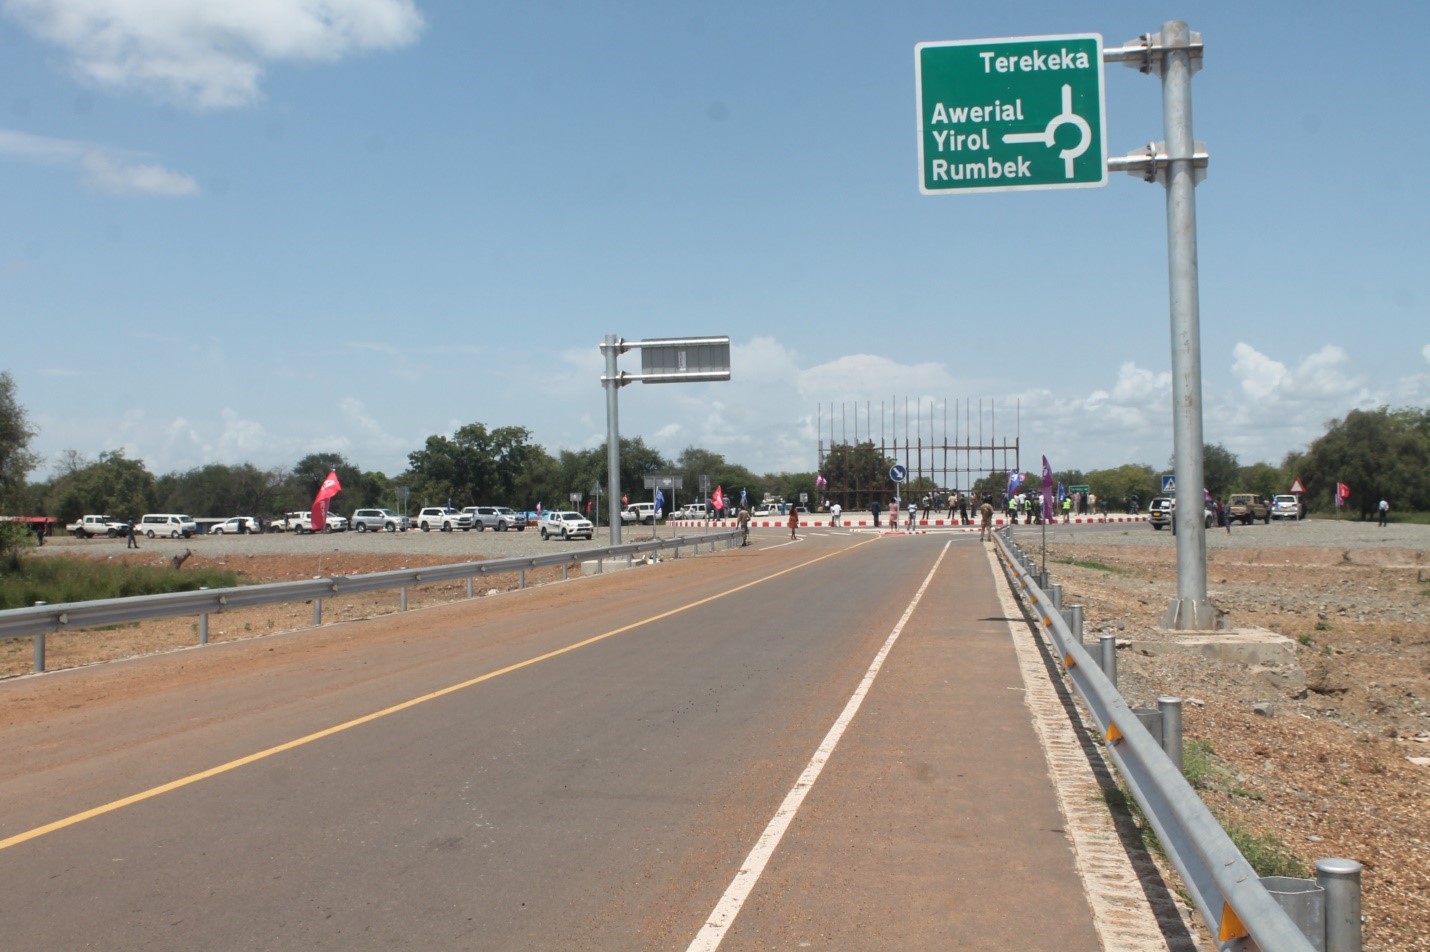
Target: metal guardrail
39, 620
1236, 905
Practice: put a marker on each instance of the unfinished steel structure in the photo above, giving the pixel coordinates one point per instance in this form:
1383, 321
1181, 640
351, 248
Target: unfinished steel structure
943, 447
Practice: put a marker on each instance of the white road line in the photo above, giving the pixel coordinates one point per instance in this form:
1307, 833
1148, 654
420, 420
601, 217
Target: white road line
713, 932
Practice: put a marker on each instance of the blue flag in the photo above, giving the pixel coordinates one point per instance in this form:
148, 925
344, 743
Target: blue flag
659, 501
743, 501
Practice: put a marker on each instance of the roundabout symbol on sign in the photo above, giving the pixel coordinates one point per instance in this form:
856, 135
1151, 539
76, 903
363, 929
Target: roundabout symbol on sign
898, 473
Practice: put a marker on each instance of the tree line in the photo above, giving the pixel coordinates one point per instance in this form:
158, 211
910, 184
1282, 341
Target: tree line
1377, 453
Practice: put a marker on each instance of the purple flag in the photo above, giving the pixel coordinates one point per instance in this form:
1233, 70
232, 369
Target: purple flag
1047, 491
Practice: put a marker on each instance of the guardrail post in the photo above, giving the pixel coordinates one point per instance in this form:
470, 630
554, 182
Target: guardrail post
1304, 902
565, 572
317, 612
1171, 708
39, 643
469, 586
1075, 622
203, 621
1151, 719
1107, 656
1340, 878
402, 601
1057, 595
521, 579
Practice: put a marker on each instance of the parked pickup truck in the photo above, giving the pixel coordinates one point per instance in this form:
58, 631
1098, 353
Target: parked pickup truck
1248, 507
87, 527
302, 523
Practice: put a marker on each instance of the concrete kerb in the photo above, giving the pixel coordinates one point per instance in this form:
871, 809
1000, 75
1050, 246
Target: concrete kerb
866, 521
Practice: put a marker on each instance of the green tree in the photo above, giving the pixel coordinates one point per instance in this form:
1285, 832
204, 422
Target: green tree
1378, 453
112, 485
857, 474
16, 460
478, 466
1263, 479
1117, 486
220, 489
694, 463
1220, 470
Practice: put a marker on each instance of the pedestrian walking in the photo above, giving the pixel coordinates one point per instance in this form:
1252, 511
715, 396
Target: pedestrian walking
985, 511
1384, 511
874, 508
834, 512
744, 521
131, 542
793, 522
913, 515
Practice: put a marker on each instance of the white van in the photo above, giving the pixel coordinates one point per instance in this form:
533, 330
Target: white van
166, 524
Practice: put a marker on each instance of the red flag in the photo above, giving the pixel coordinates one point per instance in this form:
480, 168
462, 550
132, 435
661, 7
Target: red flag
1343, 492
719, 498
330, 488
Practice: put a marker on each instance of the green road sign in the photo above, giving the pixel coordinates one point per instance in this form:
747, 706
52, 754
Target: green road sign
1018, 113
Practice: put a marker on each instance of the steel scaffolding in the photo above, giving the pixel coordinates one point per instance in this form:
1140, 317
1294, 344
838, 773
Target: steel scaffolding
920, 440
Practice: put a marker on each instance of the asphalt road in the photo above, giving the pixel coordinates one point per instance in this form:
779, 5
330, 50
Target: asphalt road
585, 765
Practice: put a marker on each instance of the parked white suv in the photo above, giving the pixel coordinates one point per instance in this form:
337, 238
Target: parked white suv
500, 518
379, 520
1286, 507
643, 512
443, 518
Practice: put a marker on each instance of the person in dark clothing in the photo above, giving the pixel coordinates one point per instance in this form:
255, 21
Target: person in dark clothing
131, 542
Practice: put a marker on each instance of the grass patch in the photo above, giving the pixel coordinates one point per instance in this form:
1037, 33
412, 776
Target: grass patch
1267, 853
58, 580
1305, 640
1095, 566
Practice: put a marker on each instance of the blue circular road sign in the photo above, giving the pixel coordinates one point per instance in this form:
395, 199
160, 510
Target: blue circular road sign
898, 473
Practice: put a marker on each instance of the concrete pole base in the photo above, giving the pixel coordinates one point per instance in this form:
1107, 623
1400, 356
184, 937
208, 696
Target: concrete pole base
1191, 614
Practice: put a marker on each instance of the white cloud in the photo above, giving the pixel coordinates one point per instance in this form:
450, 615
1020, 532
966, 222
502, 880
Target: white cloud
109, 170
209, 53
112, 175
240, 441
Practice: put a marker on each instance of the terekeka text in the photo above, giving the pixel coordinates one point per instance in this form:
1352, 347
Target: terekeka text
1034, 62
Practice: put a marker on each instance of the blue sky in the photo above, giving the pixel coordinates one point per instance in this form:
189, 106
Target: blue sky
248, 232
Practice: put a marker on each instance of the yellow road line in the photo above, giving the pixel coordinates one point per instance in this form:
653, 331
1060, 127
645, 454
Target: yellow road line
172, 785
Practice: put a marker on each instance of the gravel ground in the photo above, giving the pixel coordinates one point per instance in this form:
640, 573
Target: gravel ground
1308, 533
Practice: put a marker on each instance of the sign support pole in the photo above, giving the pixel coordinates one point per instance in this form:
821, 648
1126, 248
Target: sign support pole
1178, 162
611, 347
1190, 611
